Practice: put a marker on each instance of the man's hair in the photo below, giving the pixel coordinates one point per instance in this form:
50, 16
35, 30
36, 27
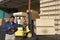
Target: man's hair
12, 17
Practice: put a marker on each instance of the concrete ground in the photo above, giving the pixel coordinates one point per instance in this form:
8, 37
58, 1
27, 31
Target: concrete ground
55, 37
52, 37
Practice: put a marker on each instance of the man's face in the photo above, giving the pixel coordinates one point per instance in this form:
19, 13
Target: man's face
12, 19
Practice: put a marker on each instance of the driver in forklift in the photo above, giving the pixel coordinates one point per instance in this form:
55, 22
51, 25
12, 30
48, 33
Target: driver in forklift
23, 31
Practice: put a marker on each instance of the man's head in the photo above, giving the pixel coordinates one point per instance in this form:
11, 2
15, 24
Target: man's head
12, 19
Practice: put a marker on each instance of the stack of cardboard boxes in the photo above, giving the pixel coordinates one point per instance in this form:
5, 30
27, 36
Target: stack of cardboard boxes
49, 10
45, 27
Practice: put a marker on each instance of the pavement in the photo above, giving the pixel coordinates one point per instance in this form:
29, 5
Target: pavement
40, 37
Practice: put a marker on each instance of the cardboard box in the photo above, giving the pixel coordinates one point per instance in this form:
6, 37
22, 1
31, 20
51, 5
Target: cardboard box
45, 31
58, 32
44, 17
0, 22
45, 22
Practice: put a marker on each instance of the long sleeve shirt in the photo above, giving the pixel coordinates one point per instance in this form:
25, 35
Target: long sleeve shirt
7, 25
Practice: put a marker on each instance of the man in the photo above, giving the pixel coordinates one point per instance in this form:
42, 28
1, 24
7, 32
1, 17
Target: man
10, 28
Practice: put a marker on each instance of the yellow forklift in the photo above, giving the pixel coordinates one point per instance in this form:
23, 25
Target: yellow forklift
23, 29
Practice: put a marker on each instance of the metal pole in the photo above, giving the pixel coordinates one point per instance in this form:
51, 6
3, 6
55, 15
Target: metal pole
29, 6
30, 17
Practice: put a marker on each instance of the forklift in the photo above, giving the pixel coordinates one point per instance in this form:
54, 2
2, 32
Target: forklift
24, 30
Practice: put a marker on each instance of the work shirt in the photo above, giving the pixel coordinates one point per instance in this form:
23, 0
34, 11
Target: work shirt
7, 25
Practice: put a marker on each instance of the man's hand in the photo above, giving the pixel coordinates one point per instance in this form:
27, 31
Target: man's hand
12, 30
8, 28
